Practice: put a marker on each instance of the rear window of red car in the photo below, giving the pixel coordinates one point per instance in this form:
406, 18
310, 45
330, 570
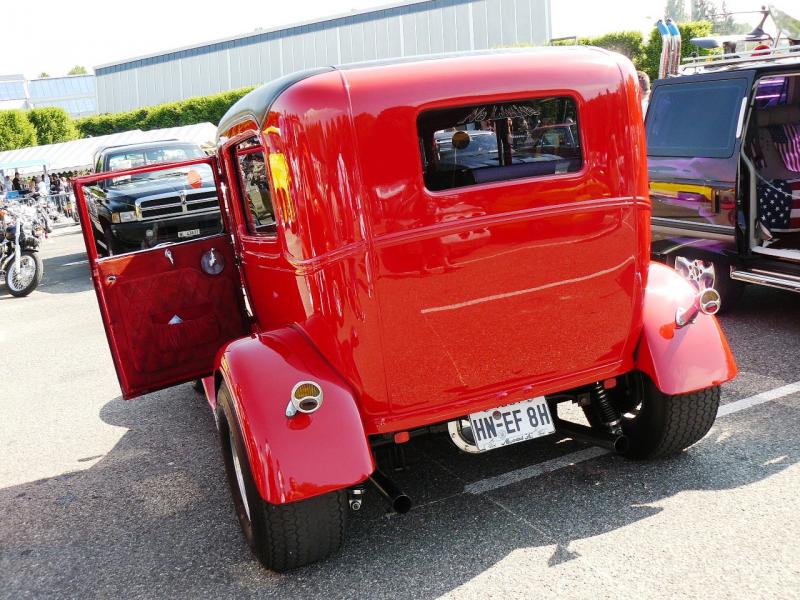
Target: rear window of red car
482, 143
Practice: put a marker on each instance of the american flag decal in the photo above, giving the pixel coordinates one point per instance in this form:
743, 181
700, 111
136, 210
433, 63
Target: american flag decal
779, 204
787, 142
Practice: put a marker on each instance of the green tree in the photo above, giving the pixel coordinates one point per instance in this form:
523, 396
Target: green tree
44, 75
52, 125
16, 131
78, 70
676, 10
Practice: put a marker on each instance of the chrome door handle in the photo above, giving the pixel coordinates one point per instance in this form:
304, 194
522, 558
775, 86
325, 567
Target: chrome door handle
168, 254
111, 278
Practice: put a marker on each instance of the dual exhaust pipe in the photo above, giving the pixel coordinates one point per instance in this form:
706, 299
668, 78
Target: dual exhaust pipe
670, 48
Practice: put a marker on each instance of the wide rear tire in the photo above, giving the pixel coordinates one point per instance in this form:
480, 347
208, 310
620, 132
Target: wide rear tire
658, 424
282, 536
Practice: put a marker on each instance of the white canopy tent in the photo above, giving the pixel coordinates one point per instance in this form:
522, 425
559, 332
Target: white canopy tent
77, 155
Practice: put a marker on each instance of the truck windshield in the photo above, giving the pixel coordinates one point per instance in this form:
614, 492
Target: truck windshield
695, 119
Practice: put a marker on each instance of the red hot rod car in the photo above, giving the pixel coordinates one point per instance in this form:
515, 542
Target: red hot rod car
401, 254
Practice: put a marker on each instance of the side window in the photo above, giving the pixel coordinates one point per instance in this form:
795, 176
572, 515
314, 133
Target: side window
254, 186
481, 143
681, 122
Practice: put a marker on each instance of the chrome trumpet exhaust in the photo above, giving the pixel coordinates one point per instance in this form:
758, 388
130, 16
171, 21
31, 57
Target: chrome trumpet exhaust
706, 301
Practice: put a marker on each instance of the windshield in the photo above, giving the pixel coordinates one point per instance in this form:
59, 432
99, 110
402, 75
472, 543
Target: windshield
696, 119
129, 159
193, 176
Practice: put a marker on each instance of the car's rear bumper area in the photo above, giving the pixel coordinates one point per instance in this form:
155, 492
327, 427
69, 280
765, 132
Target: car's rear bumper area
138, 235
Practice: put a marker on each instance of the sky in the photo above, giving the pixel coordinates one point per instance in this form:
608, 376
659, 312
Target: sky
52, 36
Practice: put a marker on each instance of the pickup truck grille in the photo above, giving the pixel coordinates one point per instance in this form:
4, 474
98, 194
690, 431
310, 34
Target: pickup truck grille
167, 206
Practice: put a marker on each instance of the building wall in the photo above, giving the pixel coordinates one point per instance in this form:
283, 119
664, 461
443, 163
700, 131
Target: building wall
412, 28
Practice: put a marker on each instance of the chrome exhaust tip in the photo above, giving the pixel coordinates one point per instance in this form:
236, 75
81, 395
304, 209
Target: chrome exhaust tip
709, 301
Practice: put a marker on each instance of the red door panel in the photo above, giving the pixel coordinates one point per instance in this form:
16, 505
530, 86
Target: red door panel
164, 315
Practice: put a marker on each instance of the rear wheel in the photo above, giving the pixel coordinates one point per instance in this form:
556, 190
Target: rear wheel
282, 536
659, 424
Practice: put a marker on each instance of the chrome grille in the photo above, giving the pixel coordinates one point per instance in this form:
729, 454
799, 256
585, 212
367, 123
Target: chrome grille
179, 204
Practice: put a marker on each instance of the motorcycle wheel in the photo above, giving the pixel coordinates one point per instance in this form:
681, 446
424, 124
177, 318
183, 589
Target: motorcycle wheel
29, 276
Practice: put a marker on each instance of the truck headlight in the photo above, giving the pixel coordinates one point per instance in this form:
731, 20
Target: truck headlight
123, 217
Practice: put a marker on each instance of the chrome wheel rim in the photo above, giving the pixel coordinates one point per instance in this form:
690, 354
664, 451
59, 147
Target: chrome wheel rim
699, 273
237, 467
19, 279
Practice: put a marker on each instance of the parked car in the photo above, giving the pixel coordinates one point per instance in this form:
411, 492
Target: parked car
337, 314
133, 212
723, 137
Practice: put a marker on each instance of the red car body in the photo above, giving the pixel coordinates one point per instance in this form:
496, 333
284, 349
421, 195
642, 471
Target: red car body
355, 289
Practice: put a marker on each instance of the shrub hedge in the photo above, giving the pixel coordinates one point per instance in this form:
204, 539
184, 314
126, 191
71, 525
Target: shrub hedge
172, 114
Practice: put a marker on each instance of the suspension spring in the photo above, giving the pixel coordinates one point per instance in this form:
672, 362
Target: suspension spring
605, 410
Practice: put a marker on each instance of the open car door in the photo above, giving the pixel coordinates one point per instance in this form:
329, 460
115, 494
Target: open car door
164, 271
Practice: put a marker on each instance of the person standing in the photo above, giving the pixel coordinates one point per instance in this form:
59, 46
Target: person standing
644, 89
8, 185
16, 183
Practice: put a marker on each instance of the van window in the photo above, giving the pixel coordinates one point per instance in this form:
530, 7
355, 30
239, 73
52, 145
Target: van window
695, 119
254, 187
481, 143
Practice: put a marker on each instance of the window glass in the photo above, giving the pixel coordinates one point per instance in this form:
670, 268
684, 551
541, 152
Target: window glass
476, 144
695, 119
130, 159
254, 186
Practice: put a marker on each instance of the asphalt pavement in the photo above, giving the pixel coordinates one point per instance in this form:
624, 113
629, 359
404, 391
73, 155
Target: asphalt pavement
101, 497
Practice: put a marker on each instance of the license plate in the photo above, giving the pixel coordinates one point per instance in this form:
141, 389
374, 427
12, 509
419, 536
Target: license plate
188, 233
511, 424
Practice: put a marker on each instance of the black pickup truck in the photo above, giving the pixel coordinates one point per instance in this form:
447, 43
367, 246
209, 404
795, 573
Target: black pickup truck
141, 211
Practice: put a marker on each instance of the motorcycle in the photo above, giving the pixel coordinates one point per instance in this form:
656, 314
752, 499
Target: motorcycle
20, 264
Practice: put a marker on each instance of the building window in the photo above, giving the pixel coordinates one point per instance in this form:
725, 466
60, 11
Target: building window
482, 143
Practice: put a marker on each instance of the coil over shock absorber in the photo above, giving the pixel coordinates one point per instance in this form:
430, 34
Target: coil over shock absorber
604, 409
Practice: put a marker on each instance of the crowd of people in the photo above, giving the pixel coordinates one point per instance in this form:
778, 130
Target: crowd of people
45, 185
55, 188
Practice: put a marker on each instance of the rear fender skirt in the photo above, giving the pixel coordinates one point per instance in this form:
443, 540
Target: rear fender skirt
680, 360
293, 458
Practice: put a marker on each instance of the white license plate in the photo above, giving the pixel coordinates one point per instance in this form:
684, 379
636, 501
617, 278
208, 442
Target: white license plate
188, 233
511, 424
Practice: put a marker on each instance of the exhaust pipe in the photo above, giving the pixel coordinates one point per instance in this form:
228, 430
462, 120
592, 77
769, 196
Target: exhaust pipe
666, 47
619, 443
387, 488
675, 39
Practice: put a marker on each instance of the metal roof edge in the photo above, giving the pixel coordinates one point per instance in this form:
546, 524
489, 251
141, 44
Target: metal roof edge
242, 36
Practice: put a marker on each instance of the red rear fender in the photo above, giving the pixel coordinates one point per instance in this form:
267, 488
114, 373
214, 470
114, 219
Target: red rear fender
305, 455
685, 359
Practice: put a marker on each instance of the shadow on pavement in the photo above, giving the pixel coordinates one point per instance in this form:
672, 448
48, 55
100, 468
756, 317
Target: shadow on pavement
153, 517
